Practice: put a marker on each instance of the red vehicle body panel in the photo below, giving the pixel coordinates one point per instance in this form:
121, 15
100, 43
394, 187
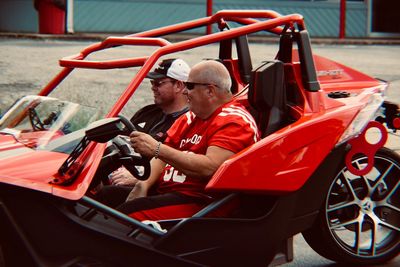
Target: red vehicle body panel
30, 168
38, 169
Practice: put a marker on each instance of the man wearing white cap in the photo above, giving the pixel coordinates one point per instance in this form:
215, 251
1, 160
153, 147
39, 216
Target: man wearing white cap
167, 84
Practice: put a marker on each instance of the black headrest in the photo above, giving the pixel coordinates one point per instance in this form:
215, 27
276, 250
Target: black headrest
267, 86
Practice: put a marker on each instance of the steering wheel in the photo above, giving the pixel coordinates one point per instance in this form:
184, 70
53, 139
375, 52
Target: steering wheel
37, 124
120, 153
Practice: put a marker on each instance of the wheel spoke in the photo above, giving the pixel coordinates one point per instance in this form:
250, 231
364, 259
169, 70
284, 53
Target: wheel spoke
392, 191
358, 237
387, 205
364, 178
358, 164
382, 177
385, 223
341, 205
353, 221
390, 226
348, 185
377, 220
370, 189
374, 230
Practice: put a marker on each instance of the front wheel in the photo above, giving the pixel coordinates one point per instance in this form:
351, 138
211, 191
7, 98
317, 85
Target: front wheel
360, 220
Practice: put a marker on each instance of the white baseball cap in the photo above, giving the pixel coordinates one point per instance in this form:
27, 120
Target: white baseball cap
174, 68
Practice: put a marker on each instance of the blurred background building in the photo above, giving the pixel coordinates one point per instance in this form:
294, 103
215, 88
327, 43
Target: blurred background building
324, 18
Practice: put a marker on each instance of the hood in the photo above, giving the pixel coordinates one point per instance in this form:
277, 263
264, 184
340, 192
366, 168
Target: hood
26, 167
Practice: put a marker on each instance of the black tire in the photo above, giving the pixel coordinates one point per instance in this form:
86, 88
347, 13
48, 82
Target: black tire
372, 201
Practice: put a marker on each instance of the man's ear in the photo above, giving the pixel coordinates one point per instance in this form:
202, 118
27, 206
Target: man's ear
211, 90
180, 86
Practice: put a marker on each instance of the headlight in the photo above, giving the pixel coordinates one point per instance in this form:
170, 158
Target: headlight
364, 116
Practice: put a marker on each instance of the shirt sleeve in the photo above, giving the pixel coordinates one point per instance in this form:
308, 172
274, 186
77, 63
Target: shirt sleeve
233, 136
174, 133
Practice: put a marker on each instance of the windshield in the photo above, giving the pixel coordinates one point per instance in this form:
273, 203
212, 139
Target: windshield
40, 122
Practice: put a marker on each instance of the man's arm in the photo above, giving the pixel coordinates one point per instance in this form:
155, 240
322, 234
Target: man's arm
142, 187
195, 165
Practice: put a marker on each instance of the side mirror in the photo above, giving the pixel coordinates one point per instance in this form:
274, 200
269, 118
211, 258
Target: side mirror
104, 130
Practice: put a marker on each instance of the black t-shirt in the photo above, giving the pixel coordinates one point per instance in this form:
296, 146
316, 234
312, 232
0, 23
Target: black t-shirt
152, 120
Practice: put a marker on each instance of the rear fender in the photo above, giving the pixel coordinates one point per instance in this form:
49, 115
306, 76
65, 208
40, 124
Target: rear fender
282, 162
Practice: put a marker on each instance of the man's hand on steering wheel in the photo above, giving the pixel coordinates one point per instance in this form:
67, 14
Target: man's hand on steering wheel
144, 144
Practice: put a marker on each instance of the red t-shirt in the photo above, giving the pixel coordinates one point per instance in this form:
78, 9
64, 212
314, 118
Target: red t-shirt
230, 127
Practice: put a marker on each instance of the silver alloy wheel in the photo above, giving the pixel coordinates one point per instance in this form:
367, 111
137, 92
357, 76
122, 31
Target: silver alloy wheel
363, 212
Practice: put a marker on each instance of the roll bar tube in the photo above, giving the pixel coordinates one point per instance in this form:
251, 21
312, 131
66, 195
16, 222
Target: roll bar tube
147, 37
240, 16
76, 61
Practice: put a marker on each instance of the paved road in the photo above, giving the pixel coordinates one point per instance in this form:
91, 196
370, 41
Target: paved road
27, 65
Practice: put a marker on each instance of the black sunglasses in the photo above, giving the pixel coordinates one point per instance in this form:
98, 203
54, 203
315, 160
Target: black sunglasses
190, 85
159, 83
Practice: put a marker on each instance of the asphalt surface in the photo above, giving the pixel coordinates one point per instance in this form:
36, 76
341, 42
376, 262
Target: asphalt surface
27, 64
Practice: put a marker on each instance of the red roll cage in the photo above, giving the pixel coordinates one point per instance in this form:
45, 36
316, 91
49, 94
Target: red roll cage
254, 21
